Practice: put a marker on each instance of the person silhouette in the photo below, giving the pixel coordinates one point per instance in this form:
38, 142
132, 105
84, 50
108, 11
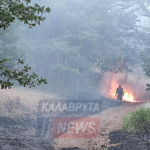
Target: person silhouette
119, 94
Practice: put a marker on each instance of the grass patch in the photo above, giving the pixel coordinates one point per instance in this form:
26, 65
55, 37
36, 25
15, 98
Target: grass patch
137, 120
28, 97
13, 108
19, 101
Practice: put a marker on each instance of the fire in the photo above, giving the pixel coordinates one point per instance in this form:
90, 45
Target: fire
128, 95
110, 85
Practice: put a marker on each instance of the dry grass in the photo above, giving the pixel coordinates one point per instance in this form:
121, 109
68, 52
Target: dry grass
19, 101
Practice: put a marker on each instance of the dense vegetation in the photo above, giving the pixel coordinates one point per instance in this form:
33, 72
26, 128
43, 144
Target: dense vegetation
81, 40
138, 120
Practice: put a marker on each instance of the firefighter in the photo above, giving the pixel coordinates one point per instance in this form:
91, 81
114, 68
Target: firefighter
119, 94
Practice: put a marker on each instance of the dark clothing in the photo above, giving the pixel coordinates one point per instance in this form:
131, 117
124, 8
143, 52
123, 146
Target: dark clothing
119, 93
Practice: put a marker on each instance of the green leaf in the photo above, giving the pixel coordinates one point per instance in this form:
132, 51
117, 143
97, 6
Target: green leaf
48, 9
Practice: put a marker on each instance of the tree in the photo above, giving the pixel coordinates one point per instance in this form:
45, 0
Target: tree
9, 12
82, 35
134, 37
145, 57
14, 9
142, 36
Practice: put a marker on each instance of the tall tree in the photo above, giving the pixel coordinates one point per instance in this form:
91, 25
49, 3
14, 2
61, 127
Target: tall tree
84, 34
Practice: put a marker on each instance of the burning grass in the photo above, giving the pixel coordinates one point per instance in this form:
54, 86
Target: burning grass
128, 94
137, 120
133, 91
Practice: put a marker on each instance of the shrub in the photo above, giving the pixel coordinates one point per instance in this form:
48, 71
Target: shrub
137, 120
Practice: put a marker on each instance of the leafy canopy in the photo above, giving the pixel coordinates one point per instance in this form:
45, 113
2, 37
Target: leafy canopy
14, 9
10, 10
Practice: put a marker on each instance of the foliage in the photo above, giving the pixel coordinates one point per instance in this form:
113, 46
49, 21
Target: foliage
21, 76
101, 34
81, 35
137, 120
9, 12
8, 46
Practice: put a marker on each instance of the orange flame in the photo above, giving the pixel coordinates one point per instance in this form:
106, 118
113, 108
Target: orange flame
128, 96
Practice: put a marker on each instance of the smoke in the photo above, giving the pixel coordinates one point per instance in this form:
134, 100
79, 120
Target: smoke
111, 81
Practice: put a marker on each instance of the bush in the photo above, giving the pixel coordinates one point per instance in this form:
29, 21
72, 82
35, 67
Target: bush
138, 120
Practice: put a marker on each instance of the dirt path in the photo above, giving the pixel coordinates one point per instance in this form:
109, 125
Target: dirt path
110, 120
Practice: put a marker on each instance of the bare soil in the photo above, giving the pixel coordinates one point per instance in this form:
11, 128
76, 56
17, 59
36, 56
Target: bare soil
19, 134
110, 120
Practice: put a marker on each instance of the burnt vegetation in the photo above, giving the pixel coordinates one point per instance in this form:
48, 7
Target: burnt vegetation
74, 46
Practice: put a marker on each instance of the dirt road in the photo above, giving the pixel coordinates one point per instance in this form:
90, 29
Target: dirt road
110, 120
